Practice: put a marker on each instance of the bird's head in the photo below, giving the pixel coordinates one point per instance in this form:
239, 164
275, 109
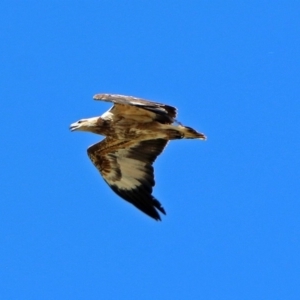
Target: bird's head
90, 125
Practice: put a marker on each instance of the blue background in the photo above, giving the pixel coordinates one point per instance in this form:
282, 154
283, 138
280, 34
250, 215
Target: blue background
232, 202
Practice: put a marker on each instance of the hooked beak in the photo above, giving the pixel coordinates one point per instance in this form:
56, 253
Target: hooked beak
74, 126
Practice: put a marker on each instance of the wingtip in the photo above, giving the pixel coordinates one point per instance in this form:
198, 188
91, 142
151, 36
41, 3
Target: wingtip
152, 211
100, 96
154, 214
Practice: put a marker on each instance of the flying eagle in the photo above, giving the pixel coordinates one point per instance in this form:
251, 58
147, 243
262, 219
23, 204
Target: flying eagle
136, 131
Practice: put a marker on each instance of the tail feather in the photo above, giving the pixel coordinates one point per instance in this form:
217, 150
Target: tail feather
190, 133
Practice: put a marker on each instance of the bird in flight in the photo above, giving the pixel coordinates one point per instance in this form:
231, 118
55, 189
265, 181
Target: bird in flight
136, 131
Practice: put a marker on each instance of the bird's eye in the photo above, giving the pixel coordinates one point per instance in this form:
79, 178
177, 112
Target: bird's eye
79, 122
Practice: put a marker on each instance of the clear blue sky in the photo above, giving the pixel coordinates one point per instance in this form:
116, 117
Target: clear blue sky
232, 227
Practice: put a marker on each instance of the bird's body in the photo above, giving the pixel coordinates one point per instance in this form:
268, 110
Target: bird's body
136, 132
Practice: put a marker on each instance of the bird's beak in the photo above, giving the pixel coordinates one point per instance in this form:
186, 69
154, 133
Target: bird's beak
74, 126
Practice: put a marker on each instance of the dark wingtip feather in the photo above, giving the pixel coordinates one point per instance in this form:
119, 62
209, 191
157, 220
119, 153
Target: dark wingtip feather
158, 205
141, 201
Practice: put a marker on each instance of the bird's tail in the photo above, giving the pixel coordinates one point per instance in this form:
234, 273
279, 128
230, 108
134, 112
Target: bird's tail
184, 132
190, 133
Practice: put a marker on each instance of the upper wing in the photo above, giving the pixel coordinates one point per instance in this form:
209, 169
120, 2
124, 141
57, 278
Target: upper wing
161, 112
126, 166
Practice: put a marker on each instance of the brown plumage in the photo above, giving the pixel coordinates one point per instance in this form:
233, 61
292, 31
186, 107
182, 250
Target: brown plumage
136, 132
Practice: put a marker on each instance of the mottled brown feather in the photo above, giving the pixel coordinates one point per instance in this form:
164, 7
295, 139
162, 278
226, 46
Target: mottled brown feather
126, 166
129, 105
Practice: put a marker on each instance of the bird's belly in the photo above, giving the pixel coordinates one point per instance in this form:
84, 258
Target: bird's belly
140, 131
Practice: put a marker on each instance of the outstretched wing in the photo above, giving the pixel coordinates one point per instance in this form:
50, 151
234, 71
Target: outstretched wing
126, 166
132, 106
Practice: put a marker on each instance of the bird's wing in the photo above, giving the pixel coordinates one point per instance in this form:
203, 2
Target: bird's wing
135, 106
126, 166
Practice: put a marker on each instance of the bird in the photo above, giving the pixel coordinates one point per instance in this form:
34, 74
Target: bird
136, 131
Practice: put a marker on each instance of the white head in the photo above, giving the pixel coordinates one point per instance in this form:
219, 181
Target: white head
90, 125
